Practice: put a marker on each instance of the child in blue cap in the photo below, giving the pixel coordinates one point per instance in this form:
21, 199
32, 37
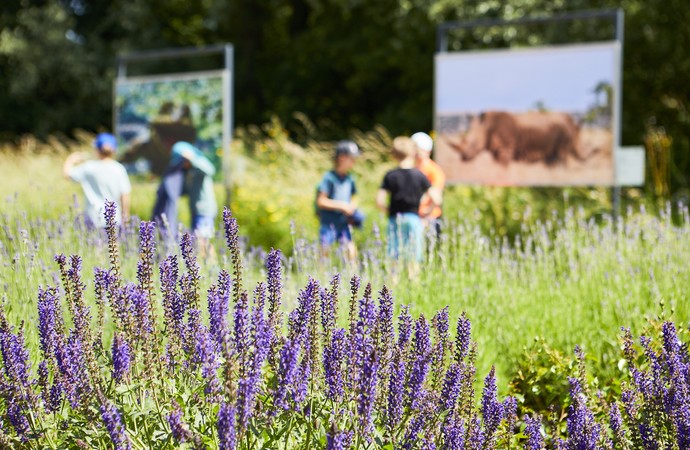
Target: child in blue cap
101, 179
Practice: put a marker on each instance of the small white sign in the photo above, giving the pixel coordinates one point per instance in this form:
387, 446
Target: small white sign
630, 164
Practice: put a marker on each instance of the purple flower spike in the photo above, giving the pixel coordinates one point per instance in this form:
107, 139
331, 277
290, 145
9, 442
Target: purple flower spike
462, 340
48, 320
396, 390
492, 409
287, 371
227, 435
451, 388
121, 358
367, 394
453, 432
404, 327
535, 441
420, 368
180, 430
333, 358
338, 440
115, 426
274, 286
583, 431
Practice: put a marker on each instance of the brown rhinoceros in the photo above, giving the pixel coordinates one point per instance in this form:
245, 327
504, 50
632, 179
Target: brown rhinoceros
549, 137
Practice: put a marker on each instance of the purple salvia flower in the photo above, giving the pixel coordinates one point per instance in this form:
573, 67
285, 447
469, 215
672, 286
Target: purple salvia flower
583, 431
338, 440
233, 242
287, 371
404, 328
241, 330
72, 363
329, 307
414, 431
475, 434
396, 390
121, 358
260, 296
190, 282
510, 407
15, 357
648, 437
180, 430
301, 387
453, 432
672, 344
462, 339
451, 388
355, 282
492, 409
367, 392
249, 385
535, 441
227, 435
48, 307
147, 249
173, 306
616, 422
218, 306
333, 358
420, 367
55, 396
274, 286
115, 426
140, 311
17, 418
111, 231
384, 323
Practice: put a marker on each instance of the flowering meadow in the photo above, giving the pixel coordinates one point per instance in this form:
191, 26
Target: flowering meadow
162, 357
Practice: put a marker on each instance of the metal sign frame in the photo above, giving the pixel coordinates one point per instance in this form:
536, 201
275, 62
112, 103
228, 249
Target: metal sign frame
227, 51
616, 15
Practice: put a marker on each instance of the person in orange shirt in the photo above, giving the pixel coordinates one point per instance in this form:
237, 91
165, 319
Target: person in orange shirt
430, 213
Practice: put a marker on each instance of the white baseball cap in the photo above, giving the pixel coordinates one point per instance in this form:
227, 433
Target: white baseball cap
423, 141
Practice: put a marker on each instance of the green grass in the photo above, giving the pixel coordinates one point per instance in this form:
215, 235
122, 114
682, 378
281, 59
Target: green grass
571, 277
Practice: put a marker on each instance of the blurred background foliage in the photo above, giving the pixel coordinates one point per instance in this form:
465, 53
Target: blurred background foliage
346, 64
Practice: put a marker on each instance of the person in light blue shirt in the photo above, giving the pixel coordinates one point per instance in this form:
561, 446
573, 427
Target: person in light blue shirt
335, 200
101, 179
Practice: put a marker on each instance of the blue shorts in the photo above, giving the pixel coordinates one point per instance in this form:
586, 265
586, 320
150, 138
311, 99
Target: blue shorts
406, 236
203, 226
330, 234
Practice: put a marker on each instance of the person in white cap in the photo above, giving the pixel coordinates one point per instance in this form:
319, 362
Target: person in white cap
429, 212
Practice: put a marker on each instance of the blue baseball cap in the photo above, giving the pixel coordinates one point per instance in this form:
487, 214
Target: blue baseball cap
105, 139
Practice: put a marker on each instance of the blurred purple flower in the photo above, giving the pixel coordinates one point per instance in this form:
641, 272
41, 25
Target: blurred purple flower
338, 440
462, 339
492, 409
227, 435
115, 426
396, 390
583, 431
420, 367
535, 441
404, 327
180, 430
451, 388
333, 358
367, 392
121, 358
287, 371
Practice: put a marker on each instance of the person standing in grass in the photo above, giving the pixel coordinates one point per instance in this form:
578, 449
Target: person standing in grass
189, 172
430, 213
402, 191
101, 179
335, 200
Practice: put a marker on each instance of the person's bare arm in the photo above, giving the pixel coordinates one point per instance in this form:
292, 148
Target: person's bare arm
323, 202
381, 199
435, 194
125, 202
71, 161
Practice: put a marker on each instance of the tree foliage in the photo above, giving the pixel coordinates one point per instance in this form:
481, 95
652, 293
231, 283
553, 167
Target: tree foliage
343, 63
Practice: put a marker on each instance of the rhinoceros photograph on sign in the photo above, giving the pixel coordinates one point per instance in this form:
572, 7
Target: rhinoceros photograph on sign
528, 117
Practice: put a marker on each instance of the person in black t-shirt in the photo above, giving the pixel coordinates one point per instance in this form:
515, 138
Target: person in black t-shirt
404, 187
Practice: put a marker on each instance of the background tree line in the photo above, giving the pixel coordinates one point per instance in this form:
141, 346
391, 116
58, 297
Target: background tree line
343, 63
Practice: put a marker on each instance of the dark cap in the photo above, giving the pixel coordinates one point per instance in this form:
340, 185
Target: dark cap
346, 148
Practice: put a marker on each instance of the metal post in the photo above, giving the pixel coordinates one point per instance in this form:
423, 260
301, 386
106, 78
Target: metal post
616, 190
228, 119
